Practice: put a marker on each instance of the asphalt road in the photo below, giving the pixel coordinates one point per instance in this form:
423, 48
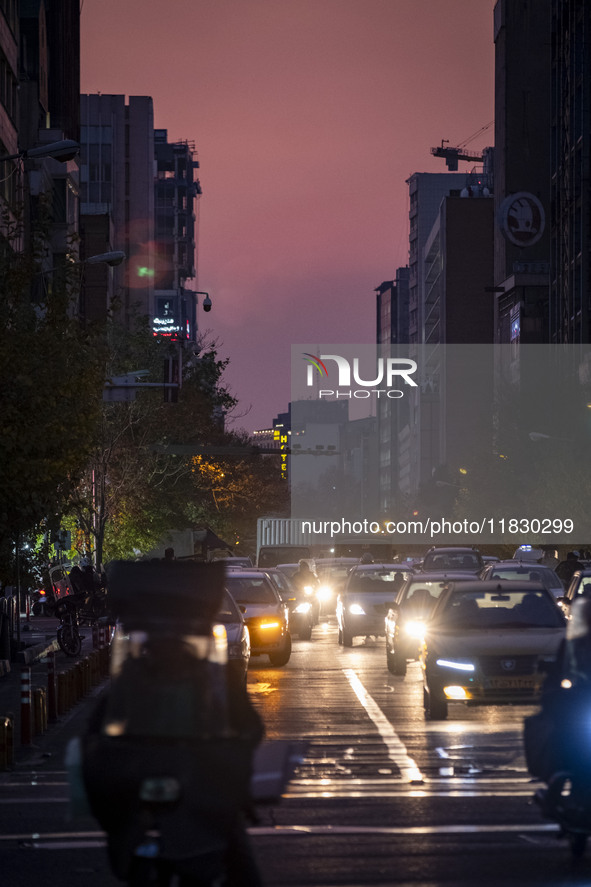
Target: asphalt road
382, 797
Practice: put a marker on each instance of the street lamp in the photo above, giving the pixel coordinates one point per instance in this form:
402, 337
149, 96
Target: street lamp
538, 435
113, 258
64, 150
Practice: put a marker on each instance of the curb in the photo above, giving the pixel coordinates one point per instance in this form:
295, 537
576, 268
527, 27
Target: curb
31, 654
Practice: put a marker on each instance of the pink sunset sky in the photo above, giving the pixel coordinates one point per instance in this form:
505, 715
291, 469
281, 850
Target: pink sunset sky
308, 117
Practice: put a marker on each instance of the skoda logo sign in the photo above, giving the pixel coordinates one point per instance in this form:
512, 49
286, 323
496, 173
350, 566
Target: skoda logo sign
522, 219
508, 664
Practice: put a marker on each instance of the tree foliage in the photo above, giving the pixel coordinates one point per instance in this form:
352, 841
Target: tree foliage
51, 372
135, 491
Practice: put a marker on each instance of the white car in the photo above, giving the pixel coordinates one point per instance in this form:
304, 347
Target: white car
524, 571
364, 602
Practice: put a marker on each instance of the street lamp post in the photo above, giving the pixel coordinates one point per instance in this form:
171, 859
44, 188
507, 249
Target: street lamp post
63, 150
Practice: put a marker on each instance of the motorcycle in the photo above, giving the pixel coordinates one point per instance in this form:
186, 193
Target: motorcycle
168, 755
77, 600
558, 751
566, 801
557, 739
74, 611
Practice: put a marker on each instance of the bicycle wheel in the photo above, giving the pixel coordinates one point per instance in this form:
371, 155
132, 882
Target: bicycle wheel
68, 638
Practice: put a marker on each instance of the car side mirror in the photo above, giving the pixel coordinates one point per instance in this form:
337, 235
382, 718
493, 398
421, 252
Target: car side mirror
242, 608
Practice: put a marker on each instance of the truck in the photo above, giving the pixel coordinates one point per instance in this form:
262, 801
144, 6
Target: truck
280, 540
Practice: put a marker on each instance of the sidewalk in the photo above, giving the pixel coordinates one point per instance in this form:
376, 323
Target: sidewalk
38, 640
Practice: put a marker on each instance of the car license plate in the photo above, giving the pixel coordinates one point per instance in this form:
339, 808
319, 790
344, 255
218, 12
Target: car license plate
517, 683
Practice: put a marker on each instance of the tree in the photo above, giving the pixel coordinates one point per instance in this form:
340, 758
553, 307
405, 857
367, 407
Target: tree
133, 491
50, 395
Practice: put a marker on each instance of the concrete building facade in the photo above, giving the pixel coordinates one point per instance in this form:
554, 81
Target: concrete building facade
117, 182
570, 285
522, 170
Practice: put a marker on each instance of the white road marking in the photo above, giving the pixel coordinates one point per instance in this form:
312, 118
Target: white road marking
89, 840
401, 830
396, 749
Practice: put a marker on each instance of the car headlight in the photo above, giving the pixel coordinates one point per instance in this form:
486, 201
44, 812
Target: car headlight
356, 610
308, 589
415, 628
451, 663
324, 592
304, 607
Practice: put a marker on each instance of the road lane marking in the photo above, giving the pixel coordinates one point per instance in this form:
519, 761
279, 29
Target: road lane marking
401, 830
396, 749
83, 840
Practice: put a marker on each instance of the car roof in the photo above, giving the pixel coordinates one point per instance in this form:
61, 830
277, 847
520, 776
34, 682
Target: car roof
453, 548
442, 575
503, 586
251, 572
379, 565
516, 563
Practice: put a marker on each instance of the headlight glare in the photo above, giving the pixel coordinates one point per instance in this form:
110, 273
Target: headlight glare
415, 629
356, 610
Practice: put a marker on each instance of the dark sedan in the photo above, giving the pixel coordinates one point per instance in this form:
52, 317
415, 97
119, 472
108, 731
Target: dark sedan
489, 643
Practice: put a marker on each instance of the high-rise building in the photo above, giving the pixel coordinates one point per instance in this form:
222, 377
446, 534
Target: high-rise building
63, 42
570, 287
139, 195
392, 309
392, 329
38, 187
9, 103
117, 202
426, 191
177, 189
522, 170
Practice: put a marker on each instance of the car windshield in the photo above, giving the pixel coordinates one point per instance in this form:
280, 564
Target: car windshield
452, 560
497, 609
334, 574
421, 596
548, 578
250, 590
228, 611
377, 580
282, 582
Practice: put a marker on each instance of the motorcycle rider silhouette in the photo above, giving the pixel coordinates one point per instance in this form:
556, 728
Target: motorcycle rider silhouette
167, 757
558, 738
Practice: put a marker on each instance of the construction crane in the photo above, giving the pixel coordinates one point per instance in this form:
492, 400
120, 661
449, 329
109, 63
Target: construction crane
452, 155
